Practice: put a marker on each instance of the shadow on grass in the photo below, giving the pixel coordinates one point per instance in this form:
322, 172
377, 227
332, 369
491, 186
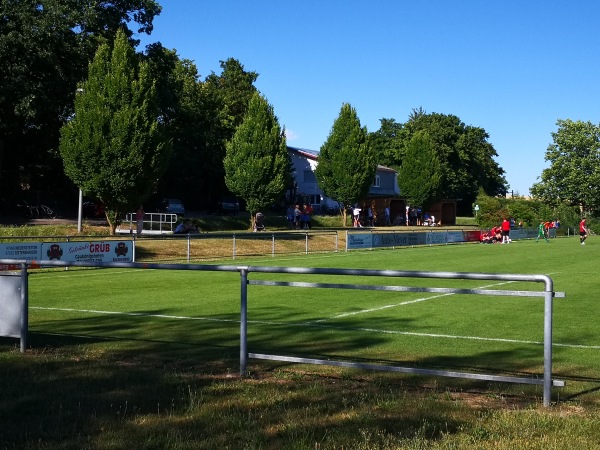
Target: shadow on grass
71, 393
135, 381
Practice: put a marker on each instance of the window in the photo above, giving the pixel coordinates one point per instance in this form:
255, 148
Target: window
314, 199
309, 176
377, 182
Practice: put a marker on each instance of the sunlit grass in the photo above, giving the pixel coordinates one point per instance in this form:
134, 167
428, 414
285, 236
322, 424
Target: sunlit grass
150, 359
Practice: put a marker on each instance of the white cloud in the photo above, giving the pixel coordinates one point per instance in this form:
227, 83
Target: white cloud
290, 135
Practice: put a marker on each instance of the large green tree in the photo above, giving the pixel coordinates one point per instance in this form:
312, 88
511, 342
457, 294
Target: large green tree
346, 165
388, 142
419, 176
574, 173
467, 158
257, 165
227, 97
45, 49
200, 117
114, 147
190, 120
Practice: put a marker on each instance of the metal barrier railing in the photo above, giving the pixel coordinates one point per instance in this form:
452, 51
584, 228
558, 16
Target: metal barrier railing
199, 246
160, 222
274, 243
244, 271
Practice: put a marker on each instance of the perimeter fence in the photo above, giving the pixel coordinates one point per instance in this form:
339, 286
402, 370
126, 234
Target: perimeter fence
199, 247
20, 302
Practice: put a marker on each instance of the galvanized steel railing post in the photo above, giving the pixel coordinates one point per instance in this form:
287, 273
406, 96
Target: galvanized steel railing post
306, 244
243, 321
24, 306
548, 303
189, 247
234, 246
336, 241
273, 245
133, 248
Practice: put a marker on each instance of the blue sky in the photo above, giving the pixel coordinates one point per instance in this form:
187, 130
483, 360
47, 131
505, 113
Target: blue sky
510, 67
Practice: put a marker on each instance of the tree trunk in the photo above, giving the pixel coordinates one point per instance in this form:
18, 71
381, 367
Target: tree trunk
113, 220
112, 226
344, 213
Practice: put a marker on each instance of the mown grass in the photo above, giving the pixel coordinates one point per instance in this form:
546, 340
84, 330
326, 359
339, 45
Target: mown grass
115, 381
19, 231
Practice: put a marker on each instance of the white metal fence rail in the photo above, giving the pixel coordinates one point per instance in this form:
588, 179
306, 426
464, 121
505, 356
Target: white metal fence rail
153, 223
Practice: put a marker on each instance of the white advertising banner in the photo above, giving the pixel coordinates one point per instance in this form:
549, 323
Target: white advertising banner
356, 240
436, 237
374, 240
21, 250
455, 236
105, 251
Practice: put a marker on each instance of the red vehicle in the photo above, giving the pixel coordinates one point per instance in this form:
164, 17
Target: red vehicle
92, 209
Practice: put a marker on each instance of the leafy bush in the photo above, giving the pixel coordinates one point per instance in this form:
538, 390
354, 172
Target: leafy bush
530, 212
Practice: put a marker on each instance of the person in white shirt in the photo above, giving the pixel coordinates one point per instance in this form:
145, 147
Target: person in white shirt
356, 214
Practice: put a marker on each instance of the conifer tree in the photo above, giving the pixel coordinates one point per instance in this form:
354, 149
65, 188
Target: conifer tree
346, 166
257, 165
419, 176
114, 149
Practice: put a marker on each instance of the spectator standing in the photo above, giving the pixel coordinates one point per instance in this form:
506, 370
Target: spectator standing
370, 216
505, 231
387, 216
297, 214
304, 217
583, 231
414, 217
356, 216
308, 209
139, 219
290, 216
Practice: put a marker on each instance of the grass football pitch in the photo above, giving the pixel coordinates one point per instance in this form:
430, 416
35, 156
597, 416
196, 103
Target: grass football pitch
194, 315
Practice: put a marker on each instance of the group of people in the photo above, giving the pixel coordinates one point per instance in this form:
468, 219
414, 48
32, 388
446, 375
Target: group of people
186, 227
359, 220
299, 216
499, 234
413, 216
544, 230
429, 220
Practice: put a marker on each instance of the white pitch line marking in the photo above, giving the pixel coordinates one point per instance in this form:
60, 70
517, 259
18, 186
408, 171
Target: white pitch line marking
320, 325
133, 314
408, 302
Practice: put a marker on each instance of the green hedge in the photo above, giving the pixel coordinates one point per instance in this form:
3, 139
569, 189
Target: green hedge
531, 212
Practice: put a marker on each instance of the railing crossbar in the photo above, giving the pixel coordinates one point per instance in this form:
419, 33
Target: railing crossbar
411, 370
367, 287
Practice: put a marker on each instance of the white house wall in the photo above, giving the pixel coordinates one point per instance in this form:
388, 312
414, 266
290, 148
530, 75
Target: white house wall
305, 162
301, 164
